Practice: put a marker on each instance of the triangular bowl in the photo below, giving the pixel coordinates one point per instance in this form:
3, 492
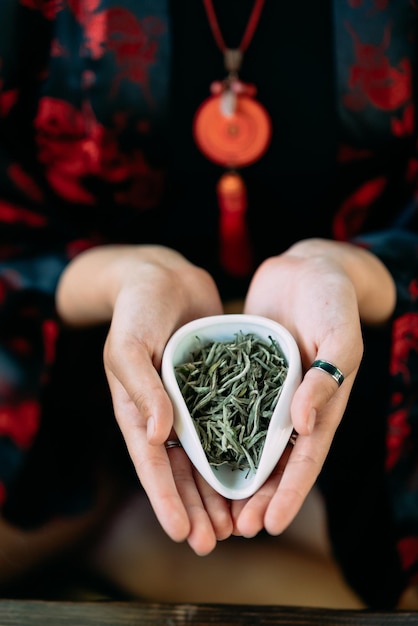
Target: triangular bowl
231, 483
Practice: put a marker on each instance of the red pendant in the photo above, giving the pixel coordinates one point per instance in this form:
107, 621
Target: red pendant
231, 129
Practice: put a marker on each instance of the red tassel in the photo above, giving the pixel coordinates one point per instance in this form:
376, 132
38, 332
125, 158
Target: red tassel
235, 246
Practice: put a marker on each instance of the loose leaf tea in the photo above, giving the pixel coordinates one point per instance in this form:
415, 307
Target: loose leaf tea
231, 389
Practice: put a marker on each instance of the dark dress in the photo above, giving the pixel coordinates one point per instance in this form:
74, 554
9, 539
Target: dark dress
97, 99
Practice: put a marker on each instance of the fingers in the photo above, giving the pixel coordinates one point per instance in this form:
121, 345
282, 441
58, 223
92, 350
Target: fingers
316, 410
277, 503
201, 536
248, 514
186, 507
298, 478
151, 464
145, 417
208, 512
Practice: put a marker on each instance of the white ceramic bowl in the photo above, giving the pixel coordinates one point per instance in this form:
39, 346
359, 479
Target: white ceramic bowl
231, 483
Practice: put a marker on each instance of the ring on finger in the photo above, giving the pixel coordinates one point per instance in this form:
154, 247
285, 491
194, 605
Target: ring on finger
330, 369
172, 443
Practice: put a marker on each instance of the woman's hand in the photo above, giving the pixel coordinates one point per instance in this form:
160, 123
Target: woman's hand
320, 291
147, 292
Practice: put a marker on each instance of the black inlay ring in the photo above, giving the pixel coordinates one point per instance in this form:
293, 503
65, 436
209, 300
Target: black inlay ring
329, 368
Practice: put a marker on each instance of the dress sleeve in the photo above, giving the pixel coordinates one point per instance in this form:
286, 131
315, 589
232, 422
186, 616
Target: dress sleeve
28, 335
399, 252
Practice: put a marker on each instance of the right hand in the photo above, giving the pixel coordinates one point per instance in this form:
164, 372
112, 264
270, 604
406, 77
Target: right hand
148, 292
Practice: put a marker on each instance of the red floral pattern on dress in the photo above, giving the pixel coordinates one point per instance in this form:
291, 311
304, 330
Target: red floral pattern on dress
408, 550
12, 214
355, 209
373, 80
346, 153
134, 42
64, 149
25, 183
397, 434
20, 422
3, 493
8, 98
405, 125
7, 101
82, 9
413, 289
405, 340
48, 8
74, 146
50, 331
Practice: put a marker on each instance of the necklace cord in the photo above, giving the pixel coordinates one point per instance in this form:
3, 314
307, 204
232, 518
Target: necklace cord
249, 31
233, 130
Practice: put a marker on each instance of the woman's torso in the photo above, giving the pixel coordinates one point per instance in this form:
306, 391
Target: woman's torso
97, 105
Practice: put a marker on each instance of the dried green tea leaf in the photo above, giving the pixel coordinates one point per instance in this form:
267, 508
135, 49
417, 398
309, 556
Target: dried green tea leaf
231, 389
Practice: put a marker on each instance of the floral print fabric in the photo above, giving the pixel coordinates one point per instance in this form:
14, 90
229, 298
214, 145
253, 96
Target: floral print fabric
85, 127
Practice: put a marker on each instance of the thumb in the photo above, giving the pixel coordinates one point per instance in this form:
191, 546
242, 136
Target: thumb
139, 398
323, 385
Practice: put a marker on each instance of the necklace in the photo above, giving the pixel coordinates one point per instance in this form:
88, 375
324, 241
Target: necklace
232, 129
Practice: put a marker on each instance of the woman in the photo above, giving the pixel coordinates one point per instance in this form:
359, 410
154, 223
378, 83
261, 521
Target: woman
113, 237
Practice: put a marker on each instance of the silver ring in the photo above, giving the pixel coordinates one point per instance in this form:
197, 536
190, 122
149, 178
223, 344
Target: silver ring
293, 437
329, 368
172, 443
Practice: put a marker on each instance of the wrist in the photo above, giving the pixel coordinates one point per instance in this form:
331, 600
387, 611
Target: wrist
89, 286
373, 284
94, 280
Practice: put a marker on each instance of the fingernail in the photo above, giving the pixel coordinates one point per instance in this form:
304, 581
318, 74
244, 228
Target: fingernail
311, 420
150, 428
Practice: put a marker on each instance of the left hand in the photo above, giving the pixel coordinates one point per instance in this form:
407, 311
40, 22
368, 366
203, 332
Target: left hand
319, 291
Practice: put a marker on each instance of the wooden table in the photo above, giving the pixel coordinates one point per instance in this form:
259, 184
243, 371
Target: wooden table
109, 613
